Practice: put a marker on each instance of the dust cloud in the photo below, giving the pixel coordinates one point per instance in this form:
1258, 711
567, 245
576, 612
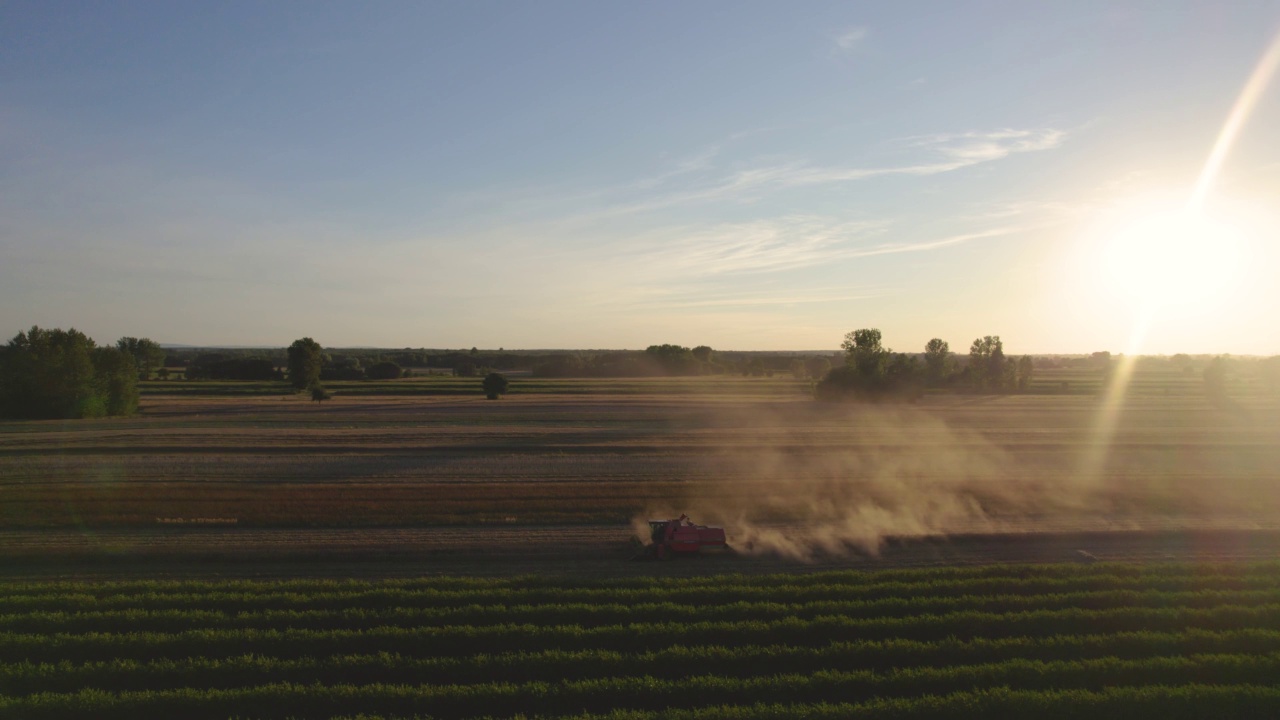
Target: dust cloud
850, 482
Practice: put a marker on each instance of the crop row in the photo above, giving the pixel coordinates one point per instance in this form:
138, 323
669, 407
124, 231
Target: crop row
1226, 576
459, 640
1157, 702
591, 615
374, 596
25, 678
644, 692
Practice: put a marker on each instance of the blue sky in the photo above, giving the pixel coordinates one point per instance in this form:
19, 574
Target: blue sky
533, 175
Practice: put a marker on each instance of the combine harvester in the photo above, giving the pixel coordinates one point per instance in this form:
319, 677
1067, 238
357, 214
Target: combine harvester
681, 537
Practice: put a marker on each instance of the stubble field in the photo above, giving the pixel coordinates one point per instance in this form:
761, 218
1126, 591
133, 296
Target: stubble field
559, 475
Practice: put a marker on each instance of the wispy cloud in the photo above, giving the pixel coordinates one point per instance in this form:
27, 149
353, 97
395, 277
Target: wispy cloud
924, 245
750, 247
851, 38
940, 153
773, 245
975, 147
698, 162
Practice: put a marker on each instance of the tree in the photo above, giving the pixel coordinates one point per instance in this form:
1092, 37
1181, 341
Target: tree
1026, 368
986, 362
937, 360
673, 359
871, 372
341, 367
318, 393
865, 353
465, 368
798, 369
494, 384
63, 374
703, 353
146, 353
115, 379
218, 366
305, 362
385, 370
818, 367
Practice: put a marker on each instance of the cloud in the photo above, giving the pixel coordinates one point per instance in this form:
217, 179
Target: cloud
975, 147
698, 162
851, 38
749, 247
936, 154
921, 246
771, 246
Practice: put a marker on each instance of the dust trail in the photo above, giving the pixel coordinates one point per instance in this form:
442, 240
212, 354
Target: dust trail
813, 485
917, 476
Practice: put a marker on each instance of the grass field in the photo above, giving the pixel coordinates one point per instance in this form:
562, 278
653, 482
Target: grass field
1168, 641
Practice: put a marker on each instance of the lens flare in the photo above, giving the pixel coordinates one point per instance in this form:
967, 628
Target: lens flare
1240, 112
1161, 271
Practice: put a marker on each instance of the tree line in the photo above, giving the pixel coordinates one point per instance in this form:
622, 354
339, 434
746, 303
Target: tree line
65, 374
360, 364
873, 372
57, 374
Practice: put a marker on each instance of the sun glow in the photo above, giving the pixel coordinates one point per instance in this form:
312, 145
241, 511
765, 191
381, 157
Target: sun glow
1175, 258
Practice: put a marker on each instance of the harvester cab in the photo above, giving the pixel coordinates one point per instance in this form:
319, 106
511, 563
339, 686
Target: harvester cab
681, 536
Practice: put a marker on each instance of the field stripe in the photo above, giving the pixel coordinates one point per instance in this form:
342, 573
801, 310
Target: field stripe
648, 693
587, 615
20, 679
706, 594
467, 640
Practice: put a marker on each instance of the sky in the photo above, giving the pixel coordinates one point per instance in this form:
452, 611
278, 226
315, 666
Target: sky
744, 175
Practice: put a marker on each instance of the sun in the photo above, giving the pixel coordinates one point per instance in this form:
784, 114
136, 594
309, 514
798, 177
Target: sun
1173, 258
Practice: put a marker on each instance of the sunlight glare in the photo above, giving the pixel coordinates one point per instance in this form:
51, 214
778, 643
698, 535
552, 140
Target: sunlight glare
1177, 258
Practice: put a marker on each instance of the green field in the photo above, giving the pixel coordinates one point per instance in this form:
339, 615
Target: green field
1059, 641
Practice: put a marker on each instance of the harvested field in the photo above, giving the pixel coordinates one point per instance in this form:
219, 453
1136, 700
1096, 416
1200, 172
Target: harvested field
786, 476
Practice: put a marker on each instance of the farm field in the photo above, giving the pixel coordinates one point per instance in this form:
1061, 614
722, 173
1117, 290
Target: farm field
1056, 641
565, 475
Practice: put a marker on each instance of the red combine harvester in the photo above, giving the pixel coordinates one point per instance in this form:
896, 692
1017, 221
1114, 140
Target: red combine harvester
682, 537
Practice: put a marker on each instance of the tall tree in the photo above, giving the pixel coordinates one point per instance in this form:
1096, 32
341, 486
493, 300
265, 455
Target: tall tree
146, 353
115, 378
986, 362
937, 360
306, 359
865, 353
